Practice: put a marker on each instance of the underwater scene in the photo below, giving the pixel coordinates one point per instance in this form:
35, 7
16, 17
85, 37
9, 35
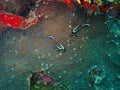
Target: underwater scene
59, 44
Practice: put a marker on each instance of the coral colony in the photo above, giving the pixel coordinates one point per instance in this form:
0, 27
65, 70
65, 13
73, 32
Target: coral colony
59, 44
14, 21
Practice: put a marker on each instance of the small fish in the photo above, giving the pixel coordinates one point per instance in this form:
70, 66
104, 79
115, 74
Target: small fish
79, 27
51, 37
60, 47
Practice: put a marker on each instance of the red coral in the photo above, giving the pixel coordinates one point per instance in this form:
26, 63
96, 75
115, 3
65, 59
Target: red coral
69, 3
15, 21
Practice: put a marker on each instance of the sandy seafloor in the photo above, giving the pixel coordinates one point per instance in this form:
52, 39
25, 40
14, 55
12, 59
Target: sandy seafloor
30, 50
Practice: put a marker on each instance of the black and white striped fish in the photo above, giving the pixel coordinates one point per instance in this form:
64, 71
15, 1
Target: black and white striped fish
79, 27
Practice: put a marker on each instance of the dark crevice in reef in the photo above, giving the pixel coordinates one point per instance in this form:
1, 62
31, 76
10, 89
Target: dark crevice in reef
80, 11
27, 5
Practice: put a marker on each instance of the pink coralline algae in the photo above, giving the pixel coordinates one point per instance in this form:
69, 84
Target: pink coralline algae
46, 78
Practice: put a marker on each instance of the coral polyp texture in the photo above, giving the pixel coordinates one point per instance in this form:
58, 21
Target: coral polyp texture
59, 45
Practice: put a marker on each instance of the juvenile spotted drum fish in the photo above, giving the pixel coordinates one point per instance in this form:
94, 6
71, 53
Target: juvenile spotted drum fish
79, 27
60, 47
